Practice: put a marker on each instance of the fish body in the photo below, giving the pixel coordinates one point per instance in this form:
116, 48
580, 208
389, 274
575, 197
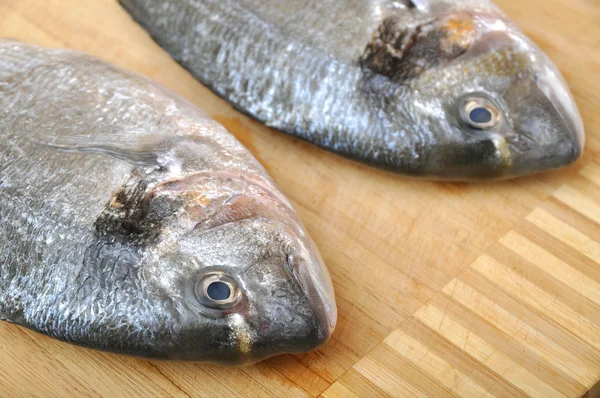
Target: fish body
131, 222
448, 89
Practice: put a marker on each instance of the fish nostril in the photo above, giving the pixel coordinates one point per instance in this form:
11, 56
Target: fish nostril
218, 291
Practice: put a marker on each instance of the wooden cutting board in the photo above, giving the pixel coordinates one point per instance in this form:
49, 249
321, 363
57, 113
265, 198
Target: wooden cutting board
444, 289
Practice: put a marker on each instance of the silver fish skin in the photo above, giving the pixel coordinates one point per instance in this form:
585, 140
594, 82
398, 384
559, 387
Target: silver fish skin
133, 223
446, 89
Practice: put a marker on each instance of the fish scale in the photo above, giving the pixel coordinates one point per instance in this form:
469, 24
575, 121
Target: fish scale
253, 100
105, 178
389, 83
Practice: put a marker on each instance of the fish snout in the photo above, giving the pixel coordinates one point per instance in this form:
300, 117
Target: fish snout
291, 307
288, 303
309, 269
553, 86
545, 117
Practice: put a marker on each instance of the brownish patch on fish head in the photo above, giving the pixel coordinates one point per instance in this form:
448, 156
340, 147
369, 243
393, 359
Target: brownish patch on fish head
195, 204
459, 30
403, 53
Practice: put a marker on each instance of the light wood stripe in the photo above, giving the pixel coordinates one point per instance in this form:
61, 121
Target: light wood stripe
560, 250
592, 143
433, 365
579, 202
592, 173
465, 339
383, 377
572, 307
514, 327
459, 359
406, 370
525, 315
224, 384
545, 261
516, 285
540, 384
360, 385
301, 375
581, 184
566, 233
529, 318
572, 217
337, 390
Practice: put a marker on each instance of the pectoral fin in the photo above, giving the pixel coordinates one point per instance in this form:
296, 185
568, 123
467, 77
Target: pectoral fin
139, 150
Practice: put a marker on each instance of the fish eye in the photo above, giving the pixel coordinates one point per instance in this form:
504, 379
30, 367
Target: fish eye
480, 113
217, 290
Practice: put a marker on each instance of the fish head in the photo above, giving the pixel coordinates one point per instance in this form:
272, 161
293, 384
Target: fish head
240, 276
494, 102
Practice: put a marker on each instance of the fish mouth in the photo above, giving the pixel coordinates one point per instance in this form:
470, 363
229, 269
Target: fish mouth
310, 272
553, 136
552, 84
556, 144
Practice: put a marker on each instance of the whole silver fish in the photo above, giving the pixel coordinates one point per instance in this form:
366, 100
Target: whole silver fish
131, 222
437, 88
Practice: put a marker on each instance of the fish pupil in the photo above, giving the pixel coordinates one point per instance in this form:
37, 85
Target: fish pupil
218, 291
480, 115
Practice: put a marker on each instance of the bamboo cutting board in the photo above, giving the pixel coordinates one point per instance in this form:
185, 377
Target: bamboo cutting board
444, 289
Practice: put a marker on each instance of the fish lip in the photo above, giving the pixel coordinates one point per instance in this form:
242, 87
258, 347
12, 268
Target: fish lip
565, 148
315, 281
552, 84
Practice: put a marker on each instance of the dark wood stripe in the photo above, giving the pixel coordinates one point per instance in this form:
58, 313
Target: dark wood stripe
560, 250
594, 392
548, 283
302, 376
360, 385
551, 329
596, 162
459, 359
572, 217
409, 372
505, 344
582, 184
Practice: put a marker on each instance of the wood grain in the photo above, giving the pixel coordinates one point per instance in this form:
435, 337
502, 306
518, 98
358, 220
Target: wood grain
474, 290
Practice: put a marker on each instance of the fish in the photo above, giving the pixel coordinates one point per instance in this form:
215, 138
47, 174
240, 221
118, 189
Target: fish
133, 223
441, 89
